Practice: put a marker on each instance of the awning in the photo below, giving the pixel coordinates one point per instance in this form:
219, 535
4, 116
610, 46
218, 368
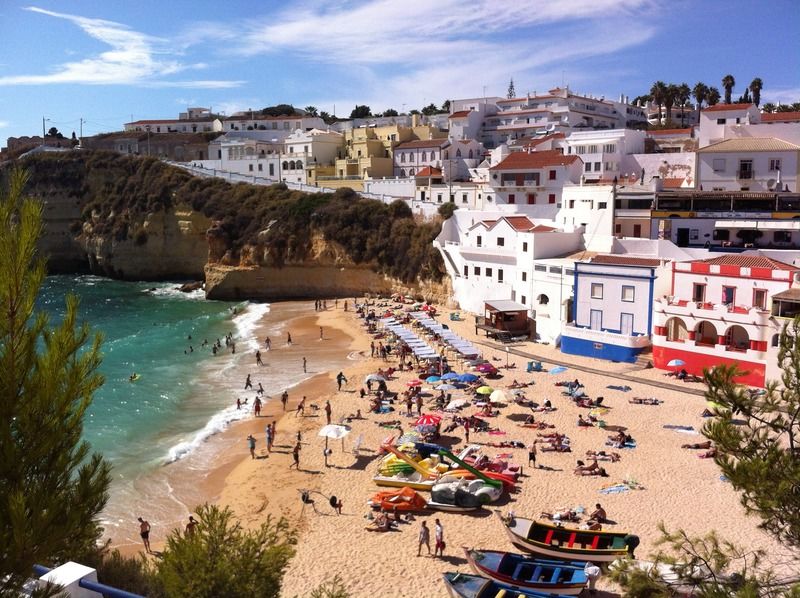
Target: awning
759, 224
504, 305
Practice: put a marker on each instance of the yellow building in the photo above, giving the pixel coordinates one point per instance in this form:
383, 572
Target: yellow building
368, 150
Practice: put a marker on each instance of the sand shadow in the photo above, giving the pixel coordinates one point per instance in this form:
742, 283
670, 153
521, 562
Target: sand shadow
361, 462
452, 559
546, 468
517, 417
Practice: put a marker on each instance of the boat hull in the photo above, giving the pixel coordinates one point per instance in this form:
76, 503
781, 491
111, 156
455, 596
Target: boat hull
561, 589
400, 483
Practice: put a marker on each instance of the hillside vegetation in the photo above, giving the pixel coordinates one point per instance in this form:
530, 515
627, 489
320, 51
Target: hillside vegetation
118, 191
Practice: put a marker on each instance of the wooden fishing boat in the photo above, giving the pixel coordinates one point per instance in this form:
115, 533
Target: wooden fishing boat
462, 585
558, 542
565, 578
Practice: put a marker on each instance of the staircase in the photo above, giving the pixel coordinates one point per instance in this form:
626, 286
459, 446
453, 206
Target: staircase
504, 337
643, 359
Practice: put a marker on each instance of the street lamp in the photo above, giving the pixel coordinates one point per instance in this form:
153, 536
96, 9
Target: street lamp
44, 120
147, 128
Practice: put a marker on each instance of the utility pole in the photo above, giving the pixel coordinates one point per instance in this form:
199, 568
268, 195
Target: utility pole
43, 119
80, 137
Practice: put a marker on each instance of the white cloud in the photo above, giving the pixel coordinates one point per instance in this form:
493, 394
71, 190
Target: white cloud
780, 96
4, 123
429, 51
134, 58
230, 106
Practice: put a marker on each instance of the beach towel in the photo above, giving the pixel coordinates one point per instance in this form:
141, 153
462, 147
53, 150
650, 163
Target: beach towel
497, 432
678, 428
621, 388
615, 489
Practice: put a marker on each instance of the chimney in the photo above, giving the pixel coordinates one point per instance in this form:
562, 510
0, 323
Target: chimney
657, 184
415, 120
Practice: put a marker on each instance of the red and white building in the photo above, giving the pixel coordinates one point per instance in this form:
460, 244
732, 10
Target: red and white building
719, 312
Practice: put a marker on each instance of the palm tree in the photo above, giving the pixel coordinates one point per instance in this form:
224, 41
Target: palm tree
684, 93
657, 92
728, 82
700, 92
669, 100
311, 110
769, 107
713, 96
755, 88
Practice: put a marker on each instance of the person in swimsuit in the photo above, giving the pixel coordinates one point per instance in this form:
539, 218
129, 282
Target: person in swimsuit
144, 532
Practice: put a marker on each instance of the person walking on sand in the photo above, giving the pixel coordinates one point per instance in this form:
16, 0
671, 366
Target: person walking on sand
320, 333
532, 454
238, 404
284, 399
251, 442
301, 407
296, 457
305, 371
273, 436
438, 535
288, 338
248, 383
328, 410
466, 431
267, 344
340, 379
144, 532
190, 526
258, 358
268, 437
424, 538
419, 404
372, 348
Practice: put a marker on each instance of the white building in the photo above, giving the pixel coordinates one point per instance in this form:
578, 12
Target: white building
279, 126
714, 119
532, 182
305, 149
749, 164
613, 306
412, 156
602, 152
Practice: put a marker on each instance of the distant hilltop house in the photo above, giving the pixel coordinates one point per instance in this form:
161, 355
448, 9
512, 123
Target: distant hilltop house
194, 120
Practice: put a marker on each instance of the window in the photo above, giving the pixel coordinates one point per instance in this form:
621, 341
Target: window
760, 298
531, 198
524, 300
637, 231
592, 149
728, 295
250, 167
260, 168
512, 198
721, 234
489, 272
540, 268
718, 164
439, 197
551, 198
694, 234
476, 271
598, 166
602, 205
524, 277
571, 203
552, 175
458, 153
402, 156
610, 148
745, 169
774, 164
628, 294
524, 246
617, 229
587, 167
466, 271
501, 242
782, 236
480, 239
698, 292
555, 269
463, 198
499, 276
569, 272
271, 170
720, 121
424, 156
775, 340
597, 290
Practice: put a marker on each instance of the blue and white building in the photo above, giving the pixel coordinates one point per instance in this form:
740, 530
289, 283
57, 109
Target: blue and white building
613, 306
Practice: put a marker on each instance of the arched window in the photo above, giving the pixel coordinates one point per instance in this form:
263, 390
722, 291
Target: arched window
676, 330
402, 157
543, 299
291, 164
299, 165
470, 153
402, 172
424, 156
705, 333
775, 340
737, 339
285, 165
458, 153
447, 155
433, 156
410, 172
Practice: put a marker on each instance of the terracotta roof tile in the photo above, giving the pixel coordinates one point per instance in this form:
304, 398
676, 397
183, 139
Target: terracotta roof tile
686, 131
519, 160
747, 261
767, 117
625, 260
460, 114
750, 144
673, 183
726, 107
428, 171
540, 140
420, 143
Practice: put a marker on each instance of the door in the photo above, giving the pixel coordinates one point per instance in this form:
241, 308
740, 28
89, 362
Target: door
595, 319
626, 324
683, 237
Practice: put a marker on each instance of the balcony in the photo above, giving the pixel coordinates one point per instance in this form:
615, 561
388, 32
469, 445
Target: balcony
744, 175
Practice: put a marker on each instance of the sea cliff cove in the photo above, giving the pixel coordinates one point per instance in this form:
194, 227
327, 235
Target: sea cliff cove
354, 299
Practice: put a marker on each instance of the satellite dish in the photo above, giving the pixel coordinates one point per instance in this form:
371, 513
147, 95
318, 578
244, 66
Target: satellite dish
771, 184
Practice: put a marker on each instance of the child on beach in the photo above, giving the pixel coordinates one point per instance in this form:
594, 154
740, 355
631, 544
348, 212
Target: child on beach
251, 441
248, 383
296, 456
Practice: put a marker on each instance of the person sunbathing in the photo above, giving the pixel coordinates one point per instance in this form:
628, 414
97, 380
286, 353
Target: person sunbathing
709, 454
697, 445
381, 523
515, 384
583, 469
645, 401
530, 420
603, 456
582, 423
560, 515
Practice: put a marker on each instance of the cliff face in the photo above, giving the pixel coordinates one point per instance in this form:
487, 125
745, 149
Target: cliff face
166, 245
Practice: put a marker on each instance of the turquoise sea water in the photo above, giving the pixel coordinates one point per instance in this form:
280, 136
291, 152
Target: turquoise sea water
145, 328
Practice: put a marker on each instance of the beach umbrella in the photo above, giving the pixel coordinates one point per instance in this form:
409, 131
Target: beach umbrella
334, 431
428, 419
676, 363
468, 378
486, 368
485, 390
432, 379
456, 403
414, 383
445, 387
498, 396
558, 369
450, 376
374, 378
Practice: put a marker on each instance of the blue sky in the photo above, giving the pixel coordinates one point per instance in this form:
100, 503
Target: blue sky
107, 61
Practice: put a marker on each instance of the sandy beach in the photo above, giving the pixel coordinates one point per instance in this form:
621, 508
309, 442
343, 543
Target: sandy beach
678, 488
